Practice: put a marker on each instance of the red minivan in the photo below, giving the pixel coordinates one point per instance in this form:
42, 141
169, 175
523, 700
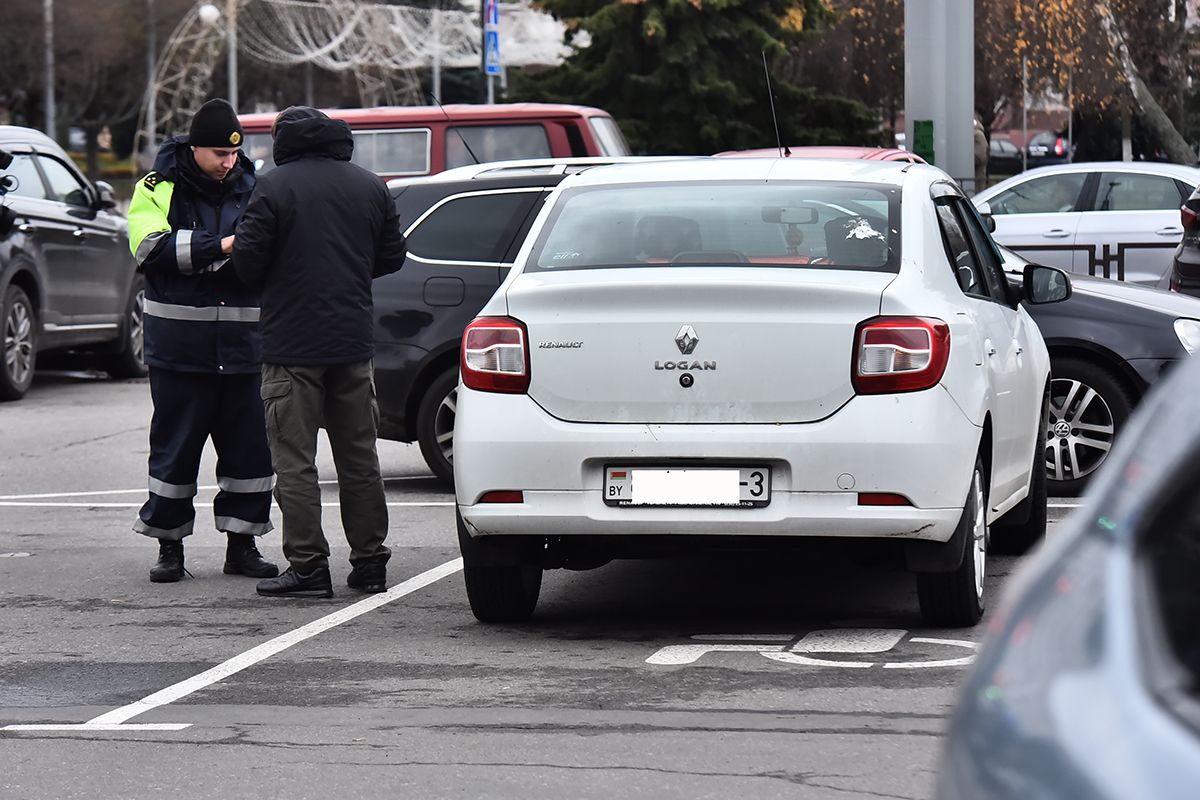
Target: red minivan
400, 141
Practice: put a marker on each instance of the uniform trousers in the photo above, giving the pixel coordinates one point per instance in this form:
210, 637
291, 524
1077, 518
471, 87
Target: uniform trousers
189, 409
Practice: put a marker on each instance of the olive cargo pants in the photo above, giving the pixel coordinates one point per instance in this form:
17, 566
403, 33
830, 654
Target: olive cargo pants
340, 398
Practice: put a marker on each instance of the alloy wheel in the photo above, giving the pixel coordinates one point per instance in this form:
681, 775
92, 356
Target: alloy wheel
1079, 432
136, 323
443, 424
18, 343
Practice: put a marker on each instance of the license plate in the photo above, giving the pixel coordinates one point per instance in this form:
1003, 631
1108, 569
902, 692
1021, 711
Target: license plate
727, 487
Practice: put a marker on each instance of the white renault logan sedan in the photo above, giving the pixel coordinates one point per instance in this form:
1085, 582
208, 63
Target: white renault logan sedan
695, 350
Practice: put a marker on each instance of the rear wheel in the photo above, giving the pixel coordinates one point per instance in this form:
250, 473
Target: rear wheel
435, 425
955, 599
503, 584
129, 362
19, 320
1088, 408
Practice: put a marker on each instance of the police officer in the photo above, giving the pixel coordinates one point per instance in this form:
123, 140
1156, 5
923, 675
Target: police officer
202, 345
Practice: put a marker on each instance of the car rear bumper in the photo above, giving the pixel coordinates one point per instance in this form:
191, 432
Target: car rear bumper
917, 445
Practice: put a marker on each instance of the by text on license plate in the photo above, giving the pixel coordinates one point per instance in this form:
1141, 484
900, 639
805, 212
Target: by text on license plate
737, 487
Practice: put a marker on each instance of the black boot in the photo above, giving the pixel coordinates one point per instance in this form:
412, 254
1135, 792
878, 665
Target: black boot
169, 567
242, 558
369, 576
291, 583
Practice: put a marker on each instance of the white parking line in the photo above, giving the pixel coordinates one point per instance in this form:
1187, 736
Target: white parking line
331, 504
116, 719
50, 495
1064, 505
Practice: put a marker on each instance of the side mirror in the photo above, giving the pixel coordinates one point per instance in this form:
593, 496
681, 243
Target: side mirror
985, 212
1044, 285
108, 198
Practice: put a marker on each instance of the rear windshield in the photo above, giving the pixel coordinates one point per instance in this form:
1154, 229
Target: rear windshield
395, 152
479, 143
821, 225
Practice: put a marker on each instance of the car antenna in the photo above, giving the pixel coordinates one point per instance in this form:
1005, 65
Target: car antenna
784, 152
454, 127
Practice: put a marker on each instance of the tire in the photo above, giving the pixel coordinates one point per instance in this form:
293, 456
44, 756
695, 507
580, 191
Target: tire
498, 592
129, 361
1074, 455
955, 599
18, 320
1024, 526
435, 425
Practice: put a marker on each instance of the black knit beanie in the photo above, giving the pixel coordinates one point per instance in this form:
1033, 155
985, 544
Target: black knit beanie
215, 125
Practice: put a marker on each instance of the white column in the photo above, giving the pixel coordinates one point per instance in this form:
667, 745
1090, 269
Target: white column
939, 82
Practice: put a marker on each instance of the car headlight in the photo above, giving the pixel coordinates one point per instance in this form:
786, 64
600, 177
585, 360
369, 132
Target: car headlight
1188, 331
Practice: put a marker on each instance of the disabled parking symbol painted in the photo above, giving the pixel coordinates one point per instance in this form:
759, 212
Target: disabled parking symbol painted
814, 649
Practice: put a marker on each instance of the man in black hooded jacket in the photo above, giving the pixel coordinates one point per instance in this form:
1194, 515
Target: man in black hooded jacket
317, 231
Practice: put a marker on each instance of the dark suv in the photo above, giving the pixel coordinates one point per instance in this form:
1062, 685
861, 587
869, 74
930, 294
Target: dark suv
67, 278
464, 229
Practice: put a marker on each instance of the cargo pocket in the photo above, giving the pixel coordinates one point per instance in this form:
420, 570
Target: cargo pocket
274, 395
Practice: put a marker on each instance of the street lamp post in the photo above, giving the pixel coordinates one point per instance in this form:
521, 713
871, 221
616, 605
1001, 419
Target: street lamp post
51, 111
231, 11
210, 14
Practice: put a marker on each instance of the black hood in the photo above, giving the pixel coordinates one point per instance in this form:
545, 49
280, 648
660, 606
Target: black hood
302, 132
176, 163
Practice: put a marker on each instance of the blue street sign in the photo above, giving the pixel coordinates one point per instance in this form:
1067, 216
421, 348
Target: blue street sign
492, 49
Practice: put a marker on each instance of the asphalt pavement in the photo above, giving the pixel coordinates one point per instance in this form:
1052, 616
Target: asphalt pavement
805, 677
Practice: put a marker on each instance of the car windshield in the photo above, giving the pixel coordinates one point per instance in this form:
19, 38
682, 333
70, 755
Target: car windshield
821, 225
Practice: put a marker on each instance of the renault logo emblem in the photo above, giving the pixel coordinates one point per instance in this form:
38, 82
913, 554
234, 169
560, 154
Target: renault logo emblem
687, 339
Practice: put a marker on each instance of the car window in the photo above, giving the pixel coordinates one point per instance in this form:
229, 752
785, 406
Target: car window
64, 186
612, 141
958, 249
788, 224
29, 182
1003, 147
1048, 194
472, 228
1130, 191
258, 147
495, 143
986, 255
402, 152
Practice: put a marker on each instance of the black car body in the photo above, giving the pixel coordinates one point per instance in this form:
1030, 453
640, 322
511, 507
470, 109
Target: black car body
1048, 147
464, 228
1004, 157
67, 278
1109, 343
1185, 268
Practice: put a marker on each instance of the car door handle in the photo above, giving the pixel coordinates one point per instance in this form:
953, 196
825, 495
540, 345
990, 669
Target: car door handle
1056, 233
26, 227
1169, 231
79, 233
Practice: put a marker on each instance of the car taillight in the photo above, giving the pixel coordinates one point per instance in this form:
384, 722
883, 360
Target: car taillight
1188, 218
899, 354
1059, 146
495, 356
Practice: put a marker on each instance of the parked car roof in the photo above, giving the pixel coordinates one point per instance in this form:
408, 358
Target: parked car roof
13, 133
751, 169
385, 116
1181, 171
858, 153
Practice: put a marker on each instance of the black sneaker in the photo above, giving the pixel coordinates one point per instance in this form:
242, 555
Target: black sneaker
292, 583
368, 576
